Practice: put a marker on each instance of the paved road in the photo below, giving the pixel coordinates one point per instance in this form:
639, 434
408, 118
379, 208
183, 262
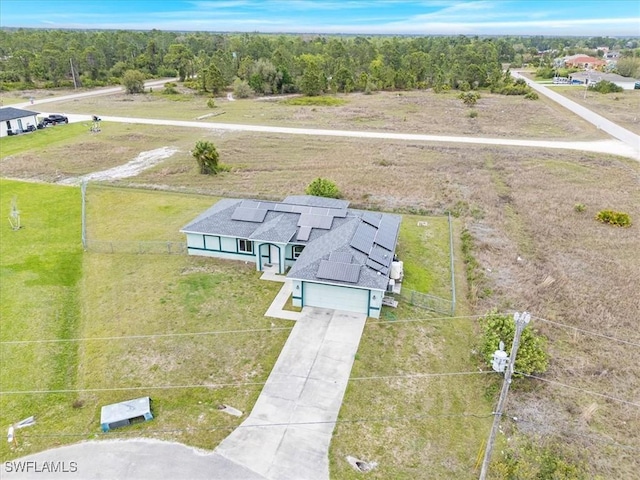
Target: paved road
612, 146
125, 460
89, 93
616, 131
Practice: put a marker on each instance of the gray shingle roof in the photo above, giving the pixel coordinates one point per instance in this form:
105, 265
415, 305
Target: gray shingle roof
11, 113
368, 239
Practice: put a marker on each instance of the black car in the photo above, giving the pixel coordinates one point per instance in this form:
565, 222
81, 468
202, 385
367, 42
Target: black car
54, 120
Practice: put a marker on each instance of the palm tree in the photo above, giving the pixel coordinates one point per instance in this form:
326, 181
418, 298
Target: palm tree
207, 157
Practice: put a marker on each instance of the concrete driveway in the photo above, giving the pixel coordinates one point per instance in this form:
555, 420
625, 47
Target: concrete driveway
286, 436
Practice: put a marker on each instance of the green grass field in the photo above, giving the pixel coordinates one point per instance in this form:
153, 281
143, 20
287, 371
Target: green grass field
51, 290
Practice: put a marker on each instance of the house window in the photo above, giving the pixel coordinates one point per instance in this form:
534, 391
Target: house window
245, 246
297, 250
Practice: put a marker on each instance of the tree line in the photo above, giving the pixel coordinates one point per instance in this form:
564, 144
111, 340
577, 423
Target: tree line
265, 63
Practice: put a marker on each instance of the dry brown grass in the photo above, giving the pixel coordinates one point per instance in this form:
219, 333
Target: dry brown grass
422, 112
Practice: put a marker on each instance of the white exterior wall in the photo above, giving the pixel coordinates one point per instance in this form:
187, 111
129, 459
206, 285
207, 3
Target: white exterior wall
219, 247
15, 125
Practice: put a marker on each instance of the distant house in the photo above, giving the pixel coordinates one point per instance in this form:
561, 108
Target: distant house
15, 120
584, 62
339, 258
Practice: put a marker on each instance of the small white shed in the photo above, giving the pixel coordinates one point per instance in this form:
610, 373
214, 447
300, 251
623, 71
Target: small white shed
125, 413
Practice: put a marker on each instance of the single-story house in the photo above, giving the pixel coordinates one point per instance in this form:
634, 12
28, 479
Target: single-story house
14, 120
339, 258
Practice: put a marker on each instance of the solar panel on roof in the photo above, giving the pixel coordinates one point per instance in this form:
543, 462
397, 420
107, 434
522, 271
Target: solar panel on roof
303, 233
363, 238
386, 239
315, 221
342, 257
249, 214
375, 265
386, 236
300, 209
319, 211
342, 272
249, 204
380, 255
371, 218
281, 207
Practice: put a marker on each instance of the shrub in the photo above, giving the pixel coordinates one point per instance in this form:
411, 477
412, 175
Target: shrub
496, 327
614, 218
469, 98
473, 113
241, 89
211, 103
170, 88
322, 187
207, 157
579, 207
531, 96
133, 81
605, 86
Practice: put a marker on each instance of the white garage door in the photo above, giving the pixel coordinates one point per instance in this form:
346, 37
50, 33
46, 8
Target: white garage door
338, 298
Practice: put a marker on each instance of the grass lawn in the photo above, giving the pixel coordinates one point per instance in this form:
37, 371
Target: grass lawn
52, 290
416, 426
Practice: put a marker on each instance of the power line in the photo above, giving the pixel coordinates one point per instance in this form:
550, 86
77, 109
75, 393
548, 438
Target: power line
553, 382
420, 375
588, 332
209, 332
391, 322
285, 424
150, 335
230, 384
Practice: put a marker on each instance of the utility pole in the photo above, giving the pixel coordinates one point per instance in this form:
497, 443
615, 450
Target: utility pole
521, 323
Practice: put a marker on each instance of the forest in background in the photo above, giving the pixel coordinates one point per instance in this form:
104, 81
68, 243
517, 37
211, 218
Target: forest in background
267, 64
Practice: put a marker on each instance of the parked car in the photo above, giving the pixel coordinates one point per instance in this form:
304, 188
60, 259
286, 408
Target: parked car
636, 86
54, 119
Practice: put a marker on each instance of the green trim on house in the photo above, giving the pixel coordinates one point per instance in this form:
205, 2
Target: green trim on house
221, 251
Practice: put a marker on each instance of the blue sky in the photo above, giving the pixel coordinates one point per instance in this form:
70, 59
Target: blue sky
423, 17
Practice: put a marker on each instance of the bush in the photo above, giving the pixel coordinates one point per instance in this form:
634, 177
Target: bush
531, 96
473, 113
532, 357
133, 81
322, 187
211, 103
605, 86
579, 207
614, 218
170, 88
469, 98
241, 89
